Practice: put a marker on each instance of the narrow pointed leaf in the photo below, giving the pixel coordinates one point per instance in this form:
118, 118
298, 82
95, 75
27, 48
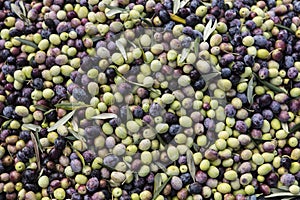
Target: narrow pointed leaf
295, 128
80, 157
27, 42
285, 127
183, 3
115, 7
113, 12
184, 54
210, 76
191, 163
281, 194
157, 182
6, 123
16, 9
21, 3
176, 18
32, 127
196, 46
71, 106
105, 116
36, 150
41, 108
209, 29
122, 49
156, 194
250, 91
62, 121
176, 6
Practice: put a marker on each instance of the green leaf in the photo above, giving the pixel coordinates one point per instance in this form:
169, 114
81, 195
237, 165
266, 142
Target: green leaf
36, 150
71, 106
121, 48
80, 157
250, 91
76, 135
6, 123
27, 42
105, 116
157, 182
147, 21
161, 166
185, 52
284, 27
158, 191
62, 121
176, 6
191, 163
196, 46
271, 86
41, 108
209, 29
72, 138
295, 128
97, 38
32, 127
210, 76
115, 7
16, 9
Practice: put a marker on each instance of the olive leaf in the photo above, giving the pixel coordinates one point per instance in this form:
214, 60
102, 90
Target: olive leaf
184, 54
158, 191
147, 21
27, 42
80, 157
284, 27
97, 38
250, 91
191, 163
161, 166
77, 135
183, 3
21, 3
209, 29
74, 125
115, 7
113, 12
48, 111
295, 128
196, 46
210, 76
285, 127
41, 108
157, 181
6, 123
176, 6
206, 4
282, 194
32, 127
122, 49
62, 121
71, 106
105, 116
271, 86
72, 138
128, 113
36, 150
176, 18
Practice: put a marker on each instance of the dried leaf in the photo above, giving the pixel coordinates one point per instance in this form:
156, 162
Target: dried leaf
122, 49
191, 163
183, 3
196, 46
285, 127
32, 127
105, 116
80, 157
21, 3
250, 91
74, 125
295, 128
158, 191
36, 150
27, 42
62, 121
157, 181
209, 29
184, 54
113, 12
177, 18
176, 6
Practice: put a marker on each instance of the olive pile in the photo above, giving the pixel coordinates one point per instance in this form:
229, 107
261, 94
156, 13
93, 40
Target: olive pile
122, 99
